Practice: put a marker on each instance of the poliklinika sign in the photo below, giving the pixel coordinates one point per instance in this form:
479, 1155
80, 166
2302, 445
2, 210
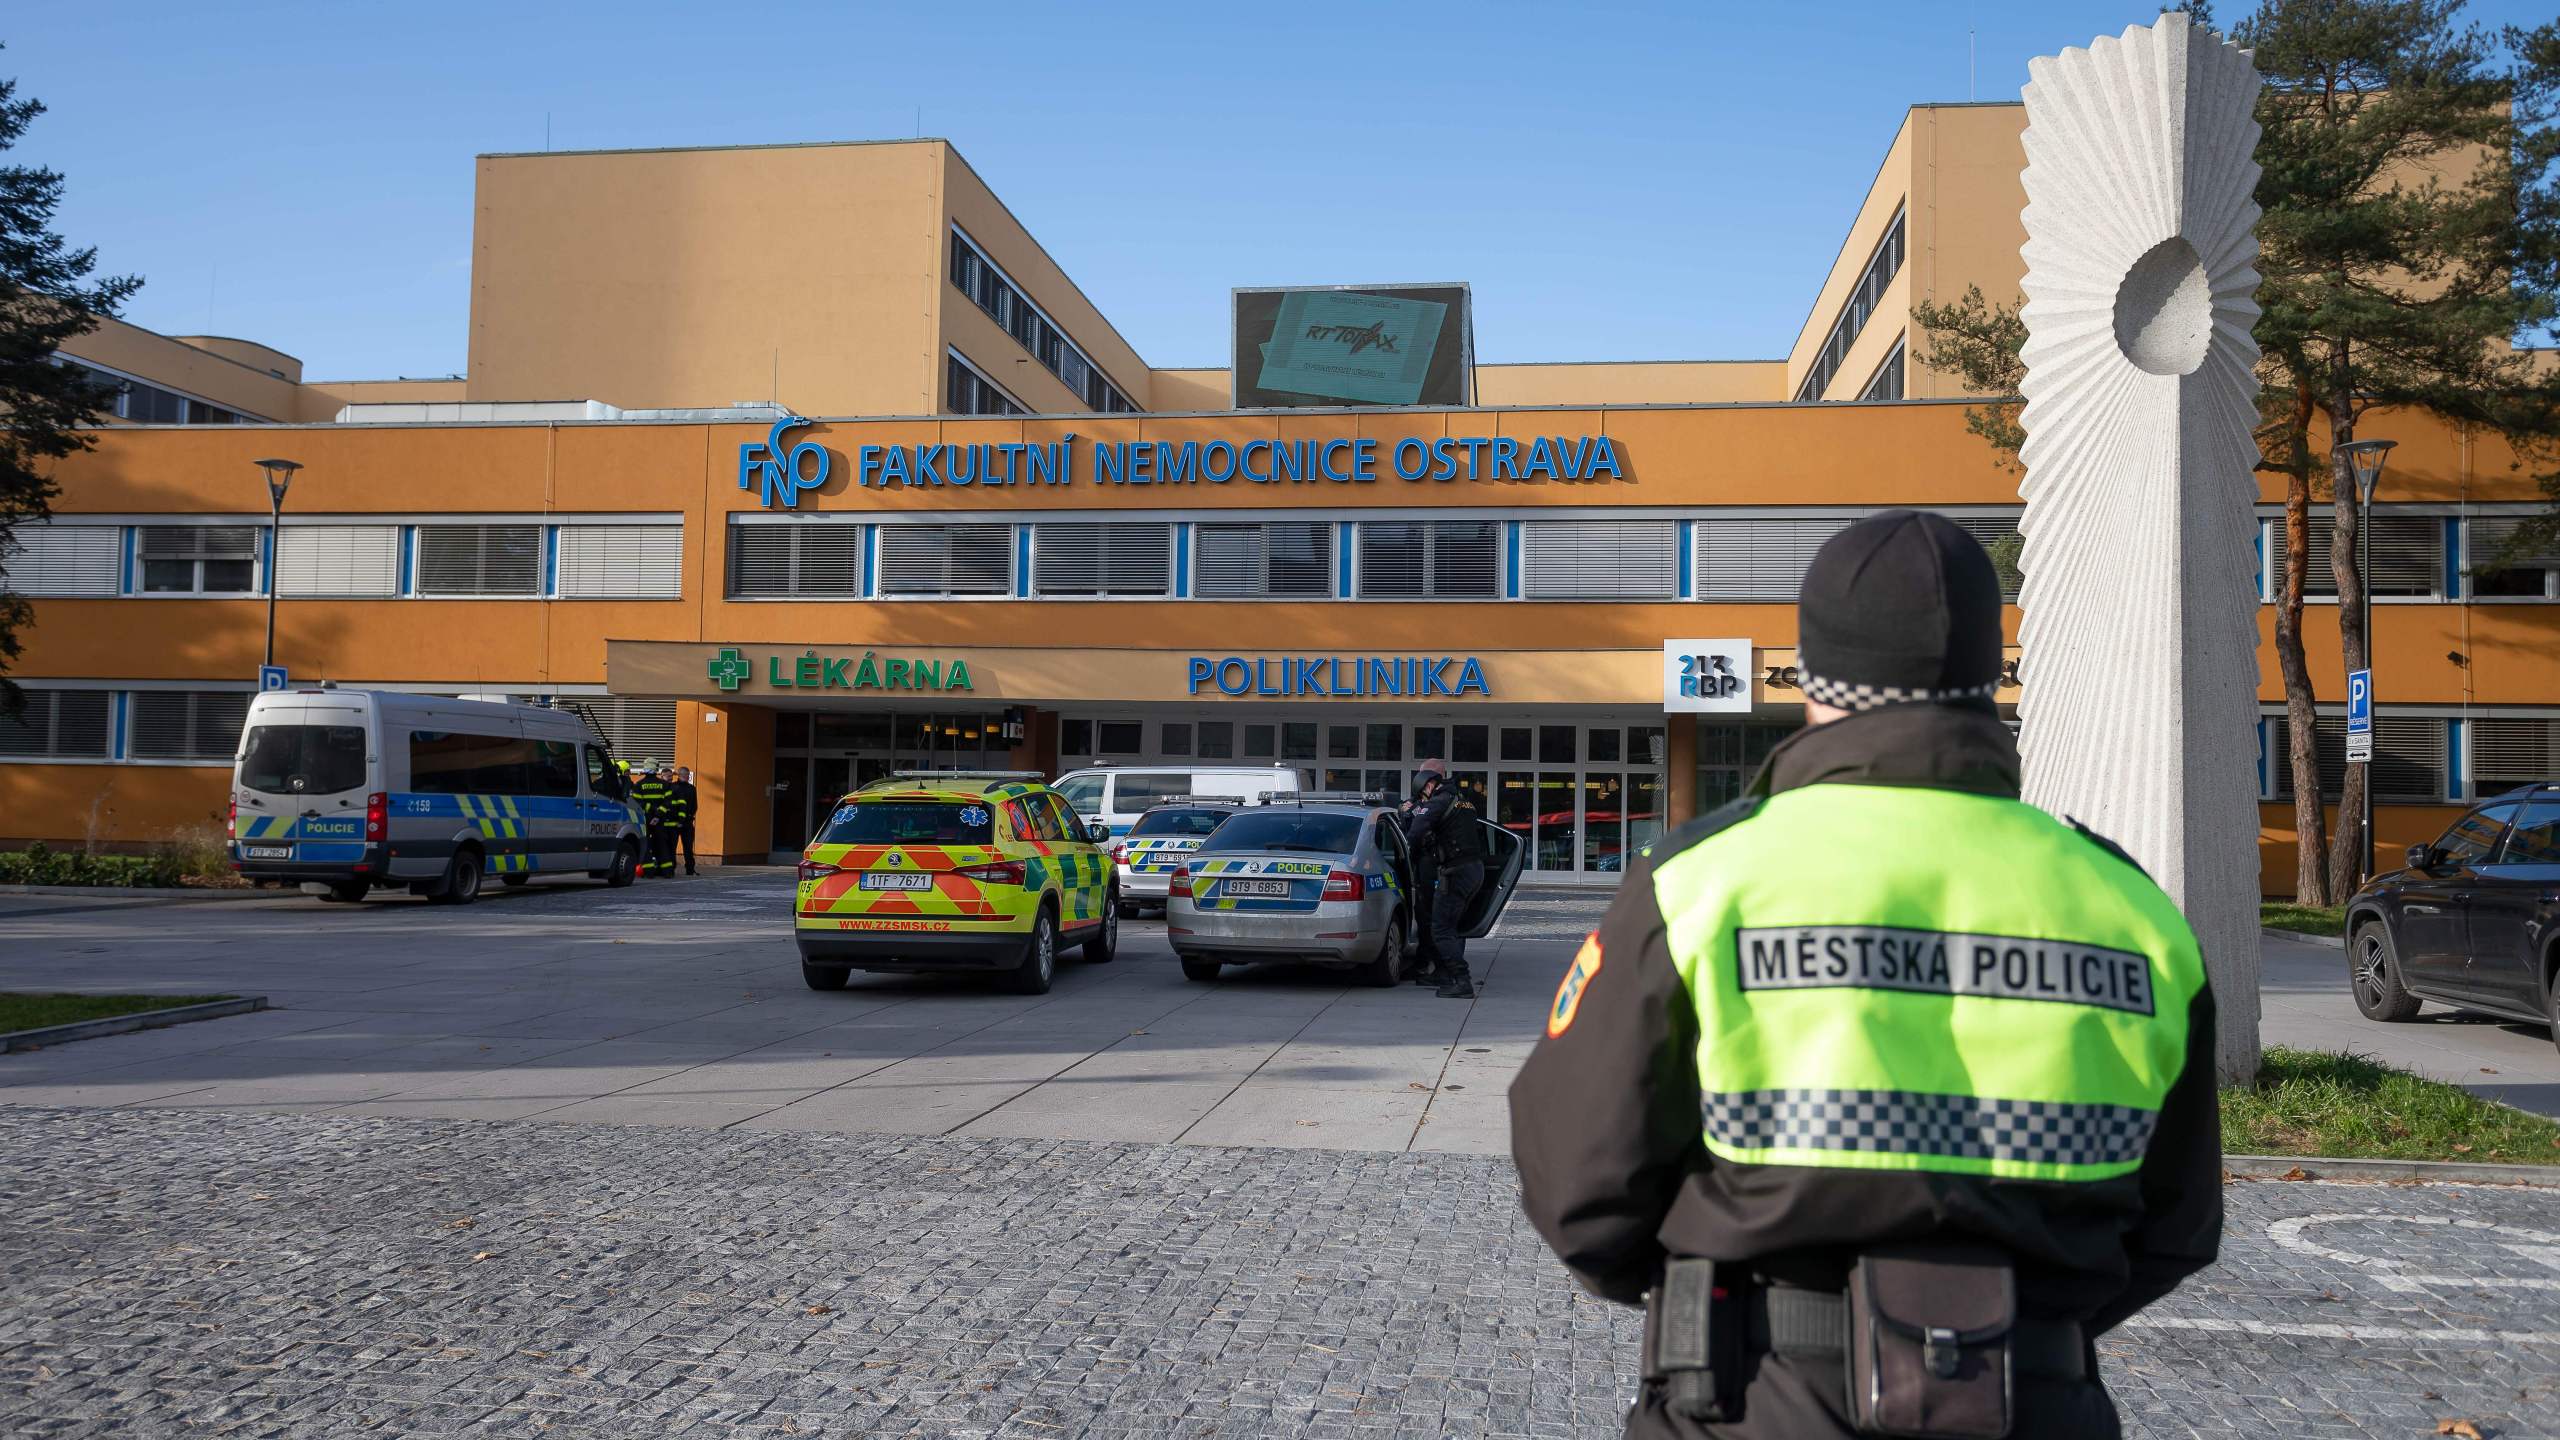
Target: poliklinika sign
785, 473
1337, 676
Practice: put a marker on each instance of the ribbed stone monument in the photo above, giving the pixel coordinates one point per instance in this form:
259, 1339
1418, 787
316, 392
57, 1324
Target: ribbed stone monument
2140, 672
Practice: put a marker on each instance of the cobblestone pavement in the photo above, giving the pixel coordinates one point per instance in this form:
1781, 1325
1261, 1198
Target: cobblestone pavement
169, 1272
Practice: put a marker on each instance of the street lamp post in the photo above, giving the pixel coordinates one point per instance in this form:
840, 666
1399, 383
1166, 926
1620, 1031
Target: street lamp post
279, 476
2365, 459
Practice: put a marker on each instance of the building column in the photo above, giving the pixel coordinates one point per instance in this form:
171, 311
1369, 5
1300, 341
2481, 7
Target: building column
1038, 747
731, 752
1680, 770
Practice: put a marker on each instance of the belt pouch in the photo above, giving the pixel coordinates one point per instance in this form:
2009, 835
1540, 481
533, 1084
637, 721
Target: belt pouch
1694, 1337
1930, 1342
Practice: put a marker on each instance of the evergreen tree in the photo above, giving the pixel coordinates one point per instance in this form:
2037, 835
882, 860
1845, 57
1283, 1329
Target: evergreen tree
46, 298
2411, 234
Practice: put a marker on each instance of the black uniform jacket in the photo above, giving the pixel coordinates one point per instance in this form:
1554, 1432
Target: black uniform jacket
1606, 1130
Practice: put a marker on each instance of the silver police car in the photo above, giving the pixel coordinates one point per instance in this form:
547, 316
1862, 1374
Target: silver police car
1321, 879
1157, 844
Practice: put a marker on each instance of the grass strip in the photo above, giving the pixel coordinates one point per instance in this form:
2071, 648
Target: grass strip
2353, 1107
34, 1012
2329, 920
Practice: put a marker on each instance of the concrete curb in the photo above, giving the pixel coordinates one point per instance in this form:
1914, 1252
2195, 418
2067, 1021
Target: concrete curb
136, 892
2333, 942
2316, 1167
122, 1024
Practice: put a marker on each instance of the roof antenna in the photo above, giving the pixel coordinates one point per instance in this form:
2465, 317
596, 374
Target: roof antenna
919, 122
546, 132
1968, 64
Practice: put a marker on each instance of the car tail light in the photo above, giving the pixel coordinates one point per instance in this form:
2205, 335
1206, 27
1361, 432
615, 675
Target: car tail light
1119, 854
377, 817
231, 822
1180, 884
818, 870
1345, 885
1003, 872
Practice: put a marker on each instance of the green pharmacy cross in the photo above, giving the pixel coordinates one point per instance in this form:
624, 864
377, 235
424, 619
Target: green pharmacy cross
729, 669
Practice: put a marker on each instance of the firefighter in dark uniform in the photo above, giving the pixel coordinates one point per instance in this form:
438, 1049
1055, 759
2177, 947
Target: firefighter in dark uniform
688, 800
1884, 1092
655, 797
1443, 825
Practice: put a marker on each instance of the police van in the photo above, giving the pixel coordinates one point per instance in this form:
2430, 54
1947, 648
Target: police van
1117, 795
347, 790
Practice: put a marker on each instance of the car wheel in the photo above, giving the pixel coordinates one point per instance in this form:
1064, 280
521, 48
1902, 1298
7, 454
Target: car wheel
2551, 999
1194, 968
461, 879
2373, 971
1039, 956
1389, 966
626, 866
1100, 949
346, 892
514, 882
824, 977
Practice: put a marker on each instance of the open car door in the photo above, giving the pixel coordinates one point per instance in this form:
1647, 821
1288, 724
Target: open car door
1506, 855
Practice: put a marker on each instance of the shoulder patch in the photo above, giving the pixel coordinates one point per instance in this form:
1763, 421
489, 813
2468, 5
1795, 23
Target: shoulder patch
1577, 979
1723, 817
2103, 843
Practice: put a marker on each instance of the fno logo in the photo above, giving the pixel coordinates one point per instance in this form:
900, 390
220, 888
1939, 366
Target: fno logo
783, 474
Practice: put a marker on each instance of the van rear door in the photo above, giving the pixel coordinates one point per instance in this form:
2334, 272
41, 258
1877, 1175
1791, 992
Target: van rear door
306, 767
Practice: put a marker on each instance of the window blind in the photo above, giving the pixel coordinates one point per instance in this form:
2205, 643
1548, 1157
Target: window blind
1436, 559
1599, 559
349, 560
56, 724
636, 729
1759, 559
185, 724
1102, 558
1999, 536
198, 559
479, 559
1281, 559
969, 559
2407, 556
47, 560
639, 562
2510, 751
811, 560
2408, 757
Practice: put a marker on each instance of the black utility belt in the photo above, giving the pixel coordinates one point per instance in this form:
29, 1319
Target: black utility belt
1928, 1338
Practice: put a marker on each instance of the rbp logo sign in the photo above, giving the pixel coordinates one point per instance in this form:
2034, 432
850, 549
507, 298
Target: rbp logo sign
1703, 677
784, 474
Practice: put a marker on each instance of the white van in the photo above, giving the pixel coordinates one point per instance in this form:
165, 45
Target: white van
1118, 794
345, 790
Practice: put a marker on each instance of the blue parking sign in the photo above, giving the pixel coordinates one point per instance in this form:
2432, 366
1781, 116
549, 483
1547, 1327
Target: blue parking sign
272, 677
2359, 716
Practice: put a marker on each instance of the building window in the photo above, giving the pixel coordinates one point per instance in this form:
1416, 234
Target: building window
1863, 298
1280, 559
57, 725
2510, 751
1430, 560
637, 730
2408, 757
1759, 558
1886, 383
633, 562
977, 277
479, 559
185, 724
198, 559
59, 560
2407, 557
968, 392
139, 402
1599, 559
1131, 558
796, 559
1999, 536
939, 560
2503, 570
355, 561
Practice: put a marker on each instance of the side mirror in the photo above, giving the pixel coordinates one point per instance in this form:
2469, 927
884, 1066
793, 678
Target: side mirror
2423, 856
1099, 832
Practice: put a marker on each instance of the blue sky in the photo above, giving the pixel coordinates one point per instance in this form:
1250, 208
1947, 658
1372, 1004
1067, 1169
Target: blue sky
1617, 181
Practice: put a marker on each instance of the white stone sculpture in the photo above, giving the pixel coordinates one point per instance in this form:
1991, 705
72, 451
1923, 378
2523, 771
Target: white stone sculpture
2140, 675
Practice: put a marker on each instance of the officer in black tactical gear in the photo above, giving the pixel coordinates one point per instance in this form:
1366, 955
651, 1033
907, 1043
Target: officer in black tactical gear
1442, 824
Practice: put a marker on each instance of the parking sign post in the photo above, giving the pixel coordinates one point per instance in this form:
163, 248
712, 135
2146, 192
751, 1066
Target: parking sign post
2360, 747
273, 677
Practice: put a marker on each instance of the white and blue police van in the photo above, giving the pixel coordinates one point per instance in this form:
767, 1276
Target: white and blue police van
344, 791
1116, 795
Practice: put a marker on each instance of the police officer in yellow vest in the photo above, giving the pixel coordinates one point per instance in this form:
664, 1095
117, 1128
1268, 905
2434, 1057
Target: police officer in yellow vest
1884, 1092
654, 792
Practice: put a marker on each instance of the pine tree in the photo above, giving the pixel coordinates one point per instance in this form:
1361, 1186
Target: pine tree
2411, 234
46, 298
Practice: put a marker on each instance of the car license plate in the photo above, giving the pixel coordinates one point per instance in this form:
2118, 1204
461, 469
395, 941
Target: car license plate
1278, 888
270, 852
895, 880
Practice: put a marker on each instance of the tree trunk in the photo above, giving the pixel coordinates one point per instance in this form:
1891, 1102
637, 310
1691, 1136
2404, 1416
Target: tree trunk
2347, 840
2310, 856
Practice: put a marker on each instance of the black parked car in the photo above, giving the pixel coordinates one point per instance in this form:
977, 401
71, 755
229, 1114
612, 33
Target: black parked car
2474, 922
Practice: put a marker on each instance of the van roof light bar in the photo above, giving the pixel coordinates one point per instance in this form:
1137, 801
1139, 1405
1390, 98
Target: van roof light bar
965, 775
1333, 797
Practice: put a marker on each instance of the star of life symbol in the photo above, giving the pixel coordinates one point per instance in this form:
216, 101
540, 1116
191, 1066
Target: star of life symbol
729, 669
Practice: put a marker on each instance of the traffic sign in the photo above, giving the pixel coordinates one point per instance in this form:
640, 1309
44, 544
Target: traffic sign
272, 677
2359, 716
